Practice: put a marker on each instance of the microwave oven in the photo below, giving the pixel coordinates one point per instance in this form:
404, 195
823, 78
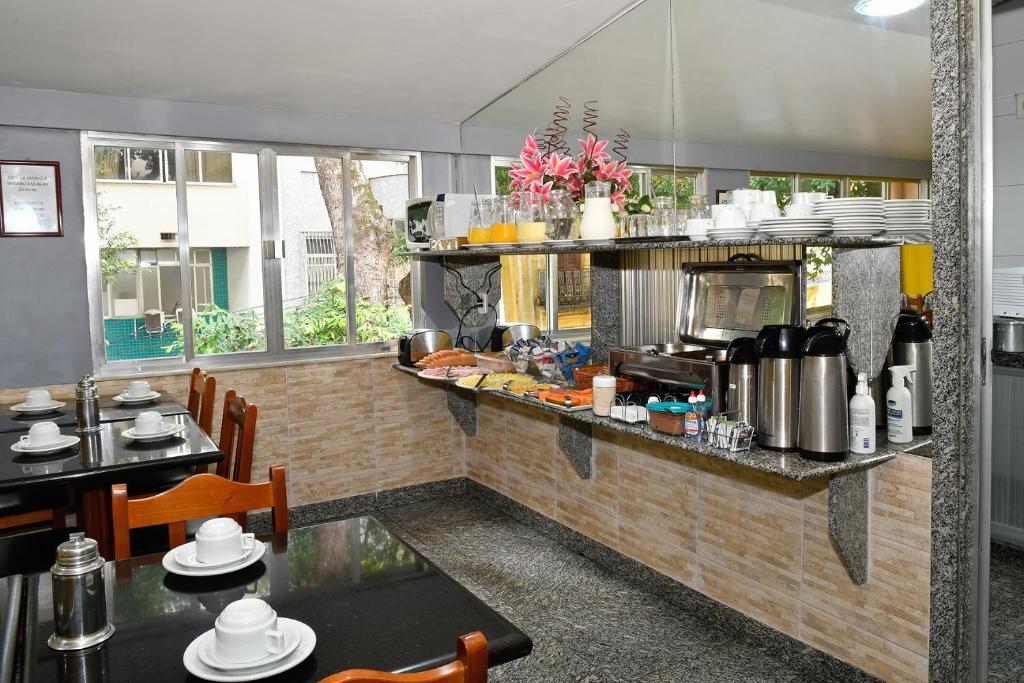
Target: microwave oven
419, 214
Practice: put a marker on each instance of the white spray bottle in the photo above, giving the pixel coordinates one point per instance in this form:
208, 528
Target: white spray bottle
899, 404
862, 418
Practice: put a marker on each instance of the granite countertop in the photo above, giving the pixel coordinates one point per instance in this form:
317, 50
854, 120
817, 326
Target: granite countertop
1008, 359
788, 465
637, 244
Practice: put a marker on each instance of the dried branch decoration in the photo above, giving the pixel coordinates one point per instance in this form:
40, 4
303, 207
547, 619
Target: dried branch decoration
621, 146
554, 135
590, 114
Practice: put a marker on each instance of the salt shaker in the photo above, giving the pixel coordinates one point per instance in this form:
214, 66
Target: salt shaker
79, 596
87, 405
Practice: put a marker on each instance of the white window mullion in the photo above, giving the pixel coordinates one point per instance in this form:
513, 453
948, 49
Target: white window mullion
273, 303
184, 259
350, 263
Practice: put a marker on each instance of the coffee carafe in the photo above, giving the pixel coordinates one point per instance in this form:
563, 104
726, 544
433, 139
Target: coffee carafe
778, 349
741, 392
824, 432
912, 345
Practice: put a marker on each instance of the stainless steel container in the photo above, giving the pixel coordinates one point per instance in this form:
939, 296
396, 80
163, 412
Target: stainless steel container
778, 350
912, 345
741, 391
1008, 335
79, 596
87, 405
416, 346
824, 432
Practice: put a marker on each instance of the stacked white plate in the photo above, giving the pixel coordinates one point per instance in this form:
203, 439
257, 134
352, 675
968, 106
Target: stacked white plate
853, 216
795, 227
732, 234
909, 219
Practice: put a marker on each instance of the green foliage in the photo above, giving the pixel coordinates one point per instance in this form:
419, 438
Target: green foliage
682, 187
818, 261
321, 320
502, 180
830, 186
866, 188
635, 205
782, 185
113, 245
215, 330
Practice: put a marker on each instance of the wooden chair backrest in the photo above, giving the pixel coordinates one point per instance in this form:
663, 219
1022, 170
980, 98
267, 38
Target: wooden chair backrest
202, 392
202, 495
237, 436
470, 666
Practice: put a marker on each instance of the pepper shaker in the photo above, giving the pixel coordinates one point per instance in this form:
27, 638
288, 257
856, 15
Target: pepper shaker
87, 405
79, 596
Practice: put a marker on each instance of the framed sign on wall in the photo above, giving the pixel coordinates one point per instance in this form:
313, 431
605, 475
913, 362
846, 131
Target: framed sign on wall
30, 199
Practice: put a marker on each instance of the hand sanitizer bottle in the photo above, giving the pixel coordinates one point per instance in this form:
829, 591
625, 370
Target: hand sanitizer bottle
862, 418
899, 405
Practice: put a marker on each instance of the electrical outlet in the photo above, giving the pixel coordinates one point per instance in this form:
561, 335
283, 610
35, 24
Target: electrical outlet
1019, 99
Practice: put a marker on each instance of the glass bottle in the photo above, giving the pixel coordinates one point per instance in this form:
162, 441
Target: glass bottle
598, 220
560, 212
479, 224
503, 226
663, 217
530, 224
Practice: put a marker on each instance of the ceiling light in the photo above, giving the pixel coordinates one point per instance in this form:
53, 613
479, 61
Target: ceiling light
885, 8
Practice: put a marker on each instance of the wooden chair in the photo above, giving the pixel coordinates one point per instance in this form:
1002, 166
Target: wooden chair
202, 393
204, 495
237, 436
470, 666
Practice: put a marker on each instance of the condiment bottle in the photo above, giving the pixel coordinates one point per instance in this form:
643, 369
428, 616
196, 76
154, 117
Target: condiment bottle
862, 418
79, 596
87, 404
604, 395
691, 421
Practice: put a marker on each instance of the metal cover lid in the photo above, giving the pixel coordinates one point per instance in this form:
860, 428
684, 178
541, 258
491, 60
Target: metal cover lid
77, 551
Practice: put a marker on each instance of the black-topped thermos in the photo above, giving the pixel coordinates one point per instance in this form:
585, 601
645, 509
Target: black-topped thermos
778, 349
912, 345
824, 432
741, 391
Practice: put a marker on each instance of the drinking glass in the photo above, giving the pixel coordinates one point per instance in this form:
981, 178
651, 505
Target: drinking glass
663, 217
479, 222
503, 225
559, 215
530, 223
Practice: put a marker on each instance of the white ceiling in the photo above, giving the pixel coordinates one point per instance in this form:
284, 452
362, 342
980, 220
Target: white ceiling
438, 61
801, 74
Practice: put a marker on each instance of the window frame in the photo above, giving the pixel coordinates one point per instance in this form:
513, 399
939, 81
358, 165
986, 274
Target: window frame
924, 186
271, 233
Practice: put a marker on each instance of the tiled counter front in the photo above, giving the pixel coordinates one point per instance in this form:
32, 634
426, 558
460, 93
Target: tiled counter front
342, 428
755, 542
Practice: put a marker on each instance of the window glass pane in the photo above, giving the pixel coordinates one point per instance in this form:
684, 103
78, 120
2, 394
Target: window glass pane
502, 180
216, 167
524, 290
129, 220
144, 164
225, 231
573, 291
167, 257
830, 186
908, 189
312, 285
782, 185
383, 284
667, 184
191, 166
109, 163
866, 188
169, 165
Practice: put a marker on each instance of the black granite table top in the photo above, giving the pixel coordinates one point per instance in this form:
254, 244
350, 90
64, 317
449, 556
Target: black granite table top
372, 601
104, 456
11, 421
1008, 359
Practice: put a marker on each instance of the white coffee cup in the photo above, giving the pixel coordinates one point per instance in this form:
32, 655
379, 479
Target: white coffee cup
800, 211
717, 209
759, 212
138, 389
731, 218
246, 630
746, 196
768, 197
41, 434
37, 398
697, 228
148, 422
221, 540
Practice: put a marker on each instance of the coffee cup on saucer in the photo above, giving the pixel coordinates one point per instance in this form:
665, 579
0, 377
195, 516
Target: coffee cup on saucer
221, 540
148, 422
697, 228
138, 389
247, 630
41, 434
37, 398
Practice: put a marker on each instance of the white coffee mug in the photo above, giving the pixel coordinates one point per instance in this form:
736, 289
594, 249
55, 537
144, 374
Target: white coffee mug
698, 227
759, 212
41, 434
37, 398
246, 630
148, 422
221, 540
800, 211
731, 218
768, 197
138, 389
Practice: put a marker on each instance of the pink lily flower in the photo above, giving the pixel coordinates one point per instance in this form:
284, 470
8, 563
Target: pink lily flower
559, 167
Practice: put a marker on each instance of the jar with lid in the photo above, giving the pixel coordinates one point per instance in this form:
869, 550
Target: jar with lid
530, 223
559, 214
604, 394
663, 217
698, 216
598, 219
79, 598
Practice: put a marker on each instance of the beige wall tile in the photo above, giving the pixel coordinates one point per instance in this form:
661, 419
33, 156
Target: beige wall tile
901, 506
327, 486
779, 610
590, 506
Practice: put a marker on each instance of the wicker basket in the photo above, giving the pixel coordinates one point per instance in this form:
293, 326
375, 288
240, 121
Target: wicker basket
584, 377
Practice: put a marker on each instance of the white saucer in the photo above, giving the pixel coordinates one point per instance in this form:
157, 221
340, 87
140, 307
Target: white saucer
167, 432
65, 442
31, 410
171, 565
305, 648
132, 400
206, 655
185, 555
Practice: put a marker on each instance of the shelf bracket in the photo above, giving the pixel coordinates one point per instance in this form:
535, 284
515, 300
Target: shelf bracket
576, 439
848, 512
462, 406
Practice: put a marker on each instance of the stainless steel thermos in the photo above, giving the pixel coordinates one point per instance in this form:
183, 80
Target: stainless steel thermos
79, 596
87, 405
778, 349
741, 389
824, 432
912, 345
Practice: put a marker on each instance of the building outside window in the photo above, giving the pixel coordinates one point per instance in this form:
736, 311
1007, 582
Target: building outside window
337, 217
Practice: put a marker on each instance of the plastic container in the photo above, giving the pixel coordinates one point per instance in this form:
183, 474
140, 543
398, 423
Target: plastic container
668, 417
862, 418
900, 406
604, 394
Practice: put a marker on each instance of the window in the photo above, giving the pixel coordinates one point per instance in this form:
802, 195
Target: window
337, 214
832, 186
780, 184
838, 186
863, 187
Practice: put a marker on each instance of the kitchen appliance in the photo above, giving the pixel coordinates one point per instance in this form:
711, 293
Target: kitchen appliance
718, 302
1008, 335
418, 344
741, 392
912, 345
420, 228
79, 596
505, 335
779, 349
824, 418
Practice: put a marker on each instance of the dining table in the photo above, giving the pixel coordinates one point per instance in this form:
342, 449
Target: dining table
370, 598
101, 459
110, 411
